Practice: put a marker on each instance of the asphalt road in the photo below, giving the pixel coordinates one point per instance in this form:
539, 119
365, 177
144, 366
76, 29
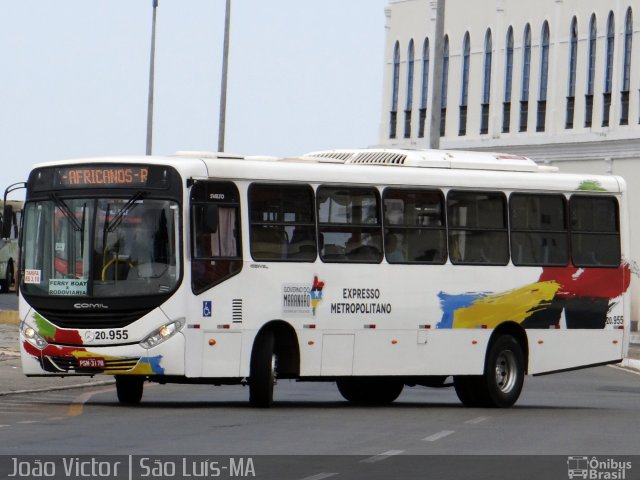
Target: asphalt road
312, 434
587, 412
8, 301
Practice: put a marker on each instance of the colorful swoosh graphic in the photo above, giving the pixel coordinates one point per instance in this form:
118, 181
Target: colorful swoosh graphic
583, 294
66, 341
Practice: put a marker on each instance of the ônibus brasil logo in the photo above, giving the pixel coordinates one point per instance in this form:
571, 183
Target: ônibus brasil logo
593, 468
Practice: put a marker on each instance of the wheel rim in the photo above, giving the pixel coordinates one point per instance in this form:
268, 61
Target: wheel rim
506, 371
274, 372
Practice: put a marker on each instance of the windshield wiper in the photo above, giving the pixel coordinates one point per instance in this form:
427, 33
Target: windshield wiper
64, 208
110, 226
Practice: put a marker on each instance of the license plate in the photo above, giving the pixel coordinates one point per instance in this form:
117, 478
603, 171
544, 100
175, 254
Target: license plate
90, 362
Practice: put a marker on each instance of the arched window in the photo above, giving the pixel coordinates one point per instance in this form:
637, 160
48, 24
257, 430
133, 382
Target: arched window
608, 73
394, 91
425, 87
526, 72
544, 78
445, 81
591, 72
626, 69
486, 83
508, 82
573, 61
464, 93
409, 103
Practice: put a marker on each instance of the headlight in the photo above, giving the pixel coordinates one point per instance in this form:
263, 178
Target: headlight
33, 337
160, 335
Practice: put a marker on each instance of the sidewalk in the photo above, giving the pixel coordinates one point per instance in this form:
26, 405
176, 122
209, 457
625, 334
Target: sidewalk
12, 380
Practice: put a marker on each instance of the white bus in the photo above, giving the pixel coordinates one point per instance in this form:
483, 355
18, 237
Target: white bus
10, 223
374, 269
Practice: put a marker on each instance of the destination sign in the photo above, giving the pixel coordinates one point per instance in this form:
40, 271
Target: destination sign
104, 176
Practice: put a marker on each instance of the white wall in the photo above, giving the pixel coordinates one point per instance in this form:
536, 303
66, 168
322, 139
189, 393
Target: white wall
614, 149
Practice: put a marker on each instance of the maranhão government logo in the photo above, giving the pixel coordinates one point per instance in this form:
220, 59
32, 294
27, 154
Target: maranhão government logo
302, 298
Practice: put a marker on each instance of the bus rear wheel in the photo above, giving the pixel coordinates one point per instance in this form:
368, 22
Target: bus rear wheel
370, 391
129, 389
262, 377
501, 383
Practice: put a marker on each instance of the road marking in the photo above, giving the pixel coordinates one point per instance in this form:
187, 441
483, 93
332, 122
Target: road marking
319, 476
27, 422
475, 421
438, 436
77, 404
382, 456
2, 426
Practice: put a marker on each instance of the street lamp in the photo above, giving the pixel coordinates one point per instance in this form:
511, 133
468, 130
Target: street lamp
223, 86
436, 91
151, 81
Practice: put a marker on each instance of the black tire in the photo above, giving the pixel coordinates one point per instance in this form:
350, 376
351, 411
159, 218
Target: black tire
5, 282
10, 275
370, 391
262, 377
469, 389
501, 384
350, 390
129, 389
504, 371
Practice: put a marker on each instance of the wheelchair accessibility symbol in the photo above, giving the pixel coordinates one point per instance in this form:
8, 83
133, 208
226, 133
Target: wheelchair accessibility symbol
206, 308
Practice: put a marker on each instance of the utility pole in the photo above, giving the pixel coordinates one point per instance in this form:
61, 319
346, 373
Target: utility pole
436, 91
151, 81
223, 86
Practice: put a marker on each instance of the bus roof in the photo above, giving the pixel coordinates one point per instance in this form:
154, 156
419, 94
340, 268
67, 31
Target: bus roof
432, 159
438, 168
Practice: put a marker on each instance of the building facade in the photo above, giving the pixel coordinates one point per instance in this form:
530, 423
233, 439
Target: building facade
555, 80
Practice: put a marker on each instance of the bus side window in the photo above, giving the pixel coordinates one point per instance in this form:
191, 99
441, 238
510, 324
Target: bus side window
215, 233
282, 223
349, 224
595, 231
414, 226
477, 228
539, 234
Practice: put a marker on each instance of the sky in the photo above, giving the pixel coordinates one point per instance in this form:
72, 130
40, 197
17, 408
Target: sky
303, 75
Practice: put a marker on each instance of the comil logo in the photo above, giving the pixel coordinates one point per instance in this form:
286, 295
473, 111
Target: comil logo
593, 468
90, 305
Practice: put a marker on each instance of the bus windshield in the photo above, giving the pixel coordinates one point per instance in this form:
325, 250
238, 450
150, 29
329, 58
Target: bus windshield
105, 247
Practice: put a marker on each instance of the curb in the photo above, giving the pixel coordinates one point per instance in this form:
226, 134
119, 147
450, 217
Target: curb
630, 364
65, 387
9, 317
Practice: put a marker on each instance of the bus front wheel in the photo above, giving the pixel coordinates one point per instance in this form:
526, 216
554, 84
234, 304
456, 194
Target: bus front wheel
503, 377
262, 376
129, 389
